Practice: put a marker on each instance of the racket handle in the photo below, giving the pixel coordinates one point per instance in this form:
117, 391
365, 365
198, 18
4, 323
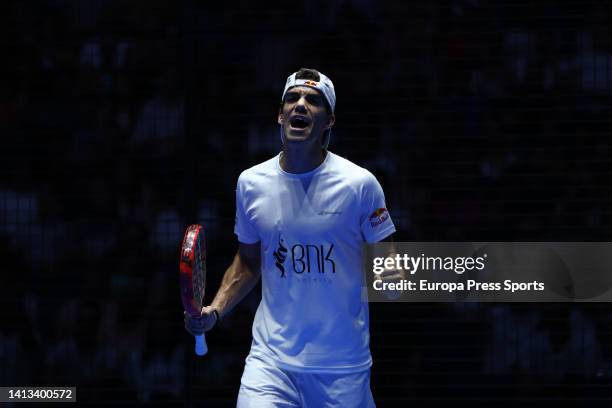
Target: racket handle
200, 345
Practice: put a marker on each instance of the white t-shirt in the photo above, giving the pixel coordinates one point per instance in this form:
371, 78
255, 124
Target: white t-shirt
312, 227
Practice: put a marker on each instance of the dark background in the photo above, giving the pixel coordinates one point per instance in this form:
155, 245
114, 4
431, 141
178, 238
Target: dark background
123, 122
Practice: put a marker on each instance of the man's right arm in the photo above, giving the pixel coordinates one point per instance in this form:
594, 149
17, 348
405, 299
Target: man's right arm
238, 280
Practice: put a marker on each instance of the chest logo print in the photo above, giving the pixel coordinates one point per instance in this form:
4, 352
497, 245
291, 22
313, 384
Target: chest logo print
279, 256
305, 258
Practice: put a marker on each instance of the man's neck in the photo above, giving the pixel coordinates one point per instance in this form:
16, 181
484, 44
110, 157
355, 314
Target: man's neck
300, 160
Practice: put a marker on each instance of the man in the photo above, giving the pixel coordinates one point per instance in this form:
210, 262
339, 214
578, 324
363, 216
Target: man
302, 218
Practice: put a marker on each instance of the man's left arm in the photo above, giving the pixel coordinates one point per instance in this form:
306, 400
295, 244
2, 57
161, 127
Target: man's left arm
391, 274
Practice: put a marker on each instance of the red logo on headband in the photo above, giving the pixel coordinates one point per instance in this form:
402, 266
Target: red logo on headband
310, 83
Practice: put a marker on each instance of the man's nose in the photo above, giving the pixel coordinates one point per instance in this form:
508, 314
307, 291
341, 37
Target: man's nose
300, 106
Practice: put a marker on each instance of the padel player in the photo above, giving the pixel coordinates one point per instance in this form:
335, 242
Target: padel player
302, 218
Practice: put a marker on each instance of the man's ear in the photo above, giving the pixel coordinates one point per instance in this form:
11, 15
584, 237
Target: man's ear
281, 118
331, 119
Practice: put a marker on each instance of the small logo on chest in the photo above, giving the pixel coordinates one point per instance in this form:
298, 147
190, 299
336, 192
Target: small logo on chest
325, 212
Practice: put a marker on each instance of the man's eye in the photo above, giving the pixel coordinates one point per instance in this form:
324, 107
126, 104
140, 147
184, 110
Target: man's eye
314, 100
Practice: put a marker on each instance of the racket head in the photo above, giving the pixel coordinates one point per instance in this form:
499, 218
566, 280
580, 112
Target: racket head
192, 267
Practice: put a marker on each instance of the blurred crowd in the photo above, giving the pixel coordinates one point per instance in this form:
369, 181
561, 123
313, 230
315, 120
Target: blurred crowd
124, 123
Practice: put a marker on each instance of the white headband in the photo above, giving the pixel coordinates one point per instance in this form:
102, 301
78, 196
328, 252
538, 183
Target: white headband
325, 86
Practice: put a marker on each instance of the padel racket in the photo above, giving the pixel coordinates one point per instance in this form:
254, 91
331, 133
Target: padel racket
192, 269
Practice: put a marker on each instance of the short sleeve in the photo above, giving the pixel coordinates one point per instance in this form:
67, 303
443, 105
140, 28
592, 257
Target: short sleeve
376, 223
243, 228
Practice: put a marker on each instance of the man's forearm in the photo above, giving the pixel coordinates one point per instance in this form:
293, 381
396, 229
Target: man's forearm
238, 280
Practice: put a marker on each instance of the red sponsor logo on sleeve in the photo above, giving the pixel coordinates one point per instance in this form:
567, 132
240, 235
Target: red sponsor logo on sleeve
379, 216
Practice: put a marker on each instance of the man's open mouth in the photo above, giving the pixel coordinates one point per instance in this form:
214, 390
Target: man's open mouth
299, 123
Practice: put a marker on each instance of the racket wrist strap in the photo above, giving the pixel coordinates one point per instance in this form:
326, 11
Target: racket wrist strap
217, 316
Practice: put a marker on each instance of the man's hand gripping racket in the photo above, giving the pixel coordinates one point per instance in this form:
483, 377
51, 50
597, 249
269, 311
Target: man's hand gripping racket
192, 269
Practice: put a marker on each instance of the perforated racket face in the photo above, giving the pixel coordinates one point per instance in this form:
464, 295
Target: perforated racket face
193, 269
199, 270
